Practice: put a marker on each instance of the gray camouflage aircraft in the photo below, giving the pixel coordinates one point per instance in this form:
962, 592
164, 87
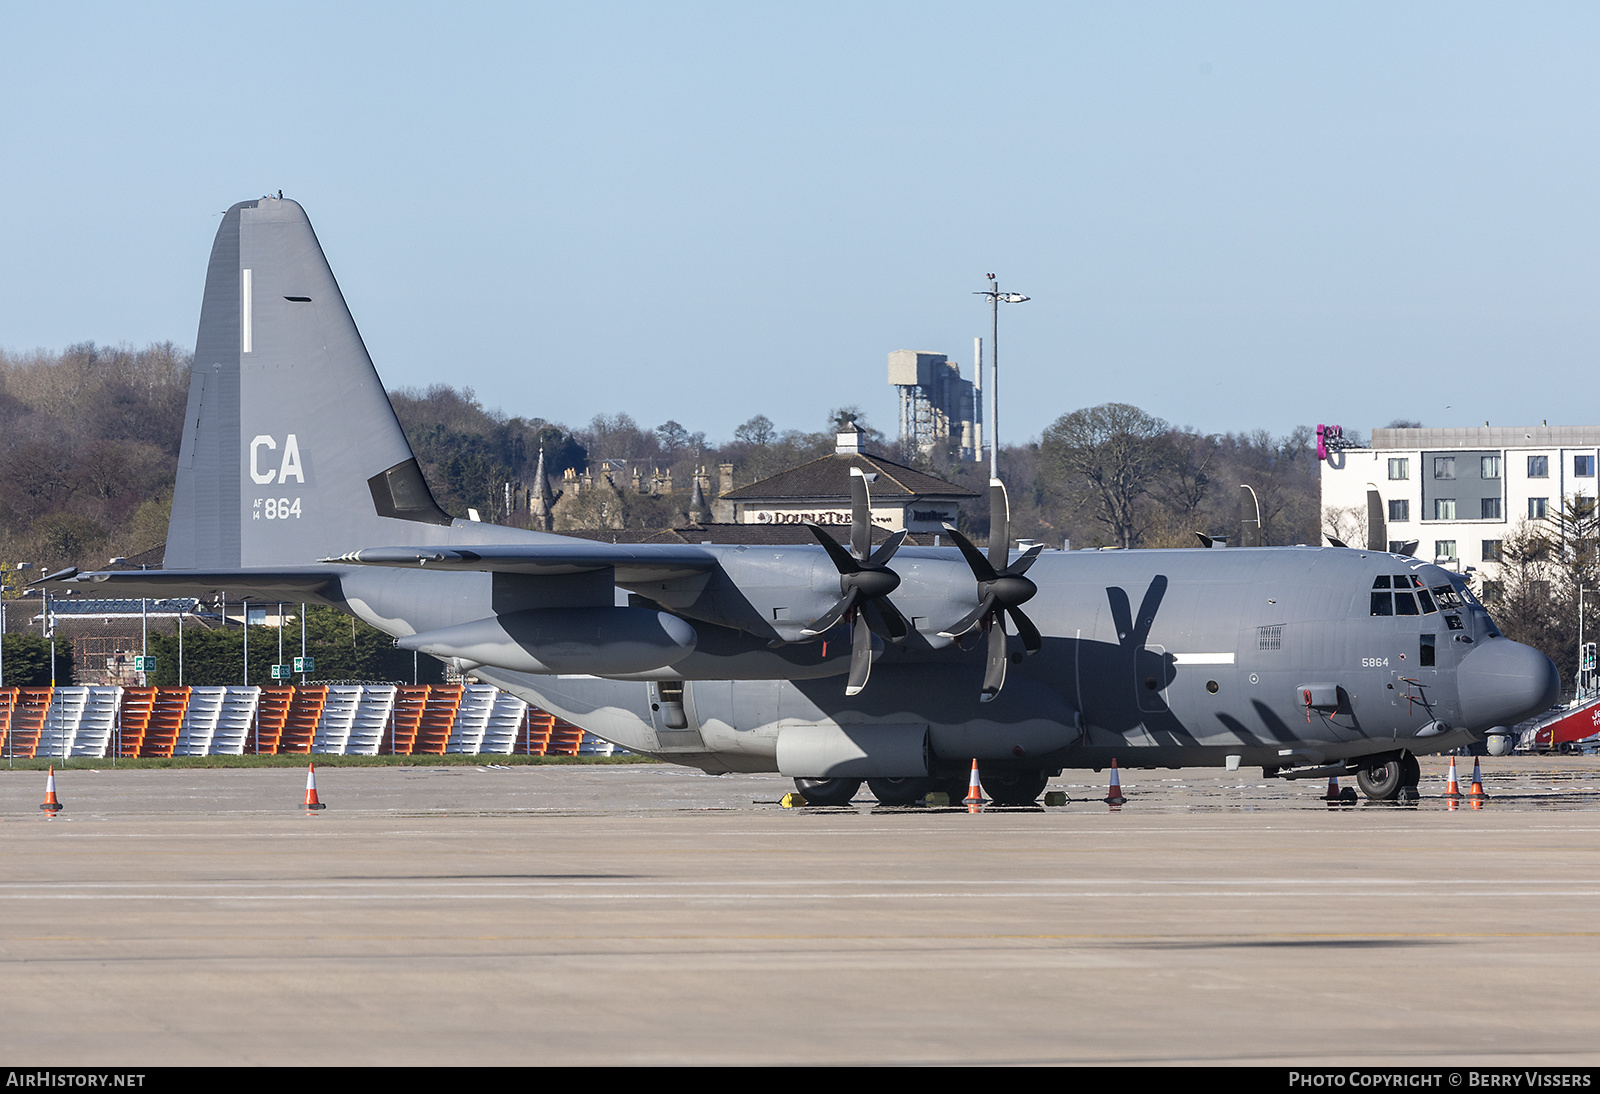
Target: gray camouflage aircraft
295, 483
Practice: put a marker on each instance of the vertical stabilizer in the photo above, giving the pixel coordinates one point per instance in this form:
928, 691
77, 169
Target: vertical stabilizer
291, 451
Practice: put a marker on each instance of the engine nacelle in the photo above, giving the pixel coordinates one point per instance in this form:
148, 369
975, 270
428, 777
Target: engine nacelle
587, 641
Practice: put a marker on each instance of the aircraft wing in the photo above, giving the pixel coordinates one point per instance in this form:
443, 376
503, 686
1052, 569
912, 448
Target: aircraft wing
631, 562
307, 584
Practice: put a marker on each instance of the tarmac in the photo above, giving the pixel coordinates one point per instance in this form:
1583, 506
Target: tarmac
646, 914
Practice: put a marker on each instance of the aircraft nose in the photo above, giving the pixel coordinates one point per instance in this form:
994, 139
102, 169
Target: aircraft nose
1502, 682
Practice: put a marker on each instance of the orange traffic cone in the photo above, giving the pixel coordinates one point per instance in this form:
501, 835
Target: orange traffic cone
1115, 798
50, 804
1452, 789
311, 788
1476, 793
974, 791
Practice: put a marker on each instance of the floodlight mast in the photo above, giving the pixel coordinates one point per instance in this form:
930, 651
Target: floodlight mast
996, 298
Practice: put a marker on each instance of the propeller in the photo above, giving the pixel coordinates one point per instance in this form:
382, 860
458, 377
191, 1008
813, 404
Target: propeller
1000, 591
865, 581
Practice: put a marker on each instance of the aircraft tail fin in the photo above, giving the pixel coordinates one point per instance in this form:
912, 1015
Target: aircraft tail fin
291, 451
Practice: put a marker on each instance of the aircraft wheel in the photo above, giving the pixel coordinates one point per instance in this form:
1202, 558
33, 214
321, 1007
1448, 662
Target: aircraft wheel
827, 791
907, 791
954, 786
1381, 782
1012, 785
1412, 775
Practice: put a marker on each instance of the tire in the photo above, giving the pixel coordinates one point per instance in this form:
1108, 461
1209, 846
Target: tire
1412, 774
954, 786
1012, 785
1381, 782
827, 791
906, 791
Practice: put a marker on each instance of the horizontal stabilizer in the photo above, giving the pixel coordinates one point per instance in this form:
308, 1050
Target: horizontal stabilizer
318, 585
632, 562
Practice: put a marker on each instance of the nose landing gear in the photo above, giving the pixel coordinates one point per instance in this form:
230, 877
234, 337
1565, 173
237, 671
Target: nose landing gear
1390, 778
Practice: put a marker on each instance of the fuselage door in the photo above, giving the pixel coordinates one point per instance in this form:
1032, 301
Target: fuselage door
672, 711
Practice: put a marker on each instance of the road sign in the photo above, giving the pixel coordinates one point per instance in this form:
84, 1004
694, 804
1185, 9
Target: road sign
305, 664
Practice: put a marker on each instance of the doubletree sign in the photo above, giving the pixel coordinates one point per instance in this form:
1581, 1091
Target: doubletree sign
1330, 438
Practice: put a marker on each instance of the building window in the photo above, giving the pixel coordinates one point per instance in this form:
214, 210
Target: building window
1538, 507
1583, 467
1444, 508
1444, 549
1582, 506
1538, 467
1491, 508
1399, 509
1399, 469
1444, 467
1491, 550
1491, 467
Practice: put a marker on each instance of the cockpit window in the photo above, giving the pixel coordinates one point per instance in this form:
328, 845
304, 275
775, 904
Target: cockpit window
1409, 598
1447, 598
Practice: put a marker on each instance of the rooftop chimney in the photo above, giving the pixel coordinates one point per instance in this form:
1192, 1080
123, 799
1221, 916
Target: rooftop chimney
849, 443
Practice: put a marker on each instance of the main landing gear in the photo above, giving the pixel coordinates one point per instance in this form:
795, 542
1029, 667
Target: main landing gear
1002, 785
1390, 778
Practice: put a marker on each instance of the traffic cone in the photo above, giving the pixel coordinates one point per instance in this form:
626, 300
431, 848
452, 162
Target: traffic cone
1115, 798
311, 788
1333, 789
974, 800
1476, 793
51, 805
1452, 789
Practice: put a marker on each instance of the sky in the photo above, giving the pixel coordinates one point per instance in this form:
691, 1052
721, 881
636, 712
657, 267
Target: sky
1234, 216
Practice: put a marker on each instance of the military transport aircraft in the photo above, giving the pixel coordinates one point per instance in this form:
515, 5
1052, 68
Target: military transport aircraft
295, 482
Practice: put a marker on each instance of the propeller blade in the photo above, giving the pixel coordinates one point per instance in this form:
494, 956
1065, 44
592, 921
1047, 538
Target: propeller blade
1249, 518
831, 617
886, 619
1377, 532
994, 672
1336, 541
999, 525
1028, 558
1205, 540
887, 548
860, 515
860, 656
842, 559
980, 565
1030, 634
970, 620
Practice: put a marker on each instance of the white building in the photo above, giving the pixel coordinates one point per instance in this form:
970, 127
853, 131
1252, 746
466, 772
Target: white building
1458, 492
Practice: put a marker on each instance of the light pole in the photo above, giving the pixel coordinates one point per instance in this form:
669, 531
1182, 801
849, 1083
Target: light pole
1581, 666
996, 298
4, 588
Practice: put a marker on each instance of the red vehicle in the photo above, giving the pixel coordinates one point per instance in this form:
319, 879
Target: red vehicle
1565, 730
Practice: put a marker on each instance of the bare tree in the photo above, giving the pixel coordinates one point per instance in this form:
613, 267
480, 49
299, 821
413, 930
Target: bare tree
1109, 458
